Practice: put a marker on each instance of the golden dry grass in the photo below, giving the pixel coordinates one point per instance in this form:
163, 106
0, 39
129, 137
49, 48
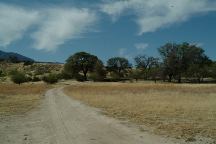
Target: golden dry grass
180, 111
18, 99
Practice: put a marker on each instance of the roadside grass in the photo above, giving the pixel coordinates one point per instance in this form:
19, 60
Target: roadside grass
180, 111
19, 99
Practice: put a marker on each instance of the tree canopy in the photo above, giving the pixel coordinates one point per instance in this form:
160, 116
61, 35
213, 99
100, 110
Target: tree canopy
118, 64
81, 62
179, 58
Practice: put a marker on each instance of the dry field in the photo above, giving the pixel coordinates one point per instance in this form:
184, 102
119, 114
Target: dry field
15, 99
180, 111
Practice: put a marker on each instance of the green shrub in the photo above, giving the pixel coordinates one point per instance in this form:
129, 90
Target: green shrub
115, 77
66, 76
26, 63
19, 78
13, 72
51, 78
80, 78
2, 74
36, 79
96, 77
28, 79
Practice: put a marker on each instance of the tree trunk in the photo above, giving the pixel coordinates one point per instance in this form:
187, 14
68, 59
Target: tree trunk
119, 72
170, 78
199, 80
85, 75
179, 79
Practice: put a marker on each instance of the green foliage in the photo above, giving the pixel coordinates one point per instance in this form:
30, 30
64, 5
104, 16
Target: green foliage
213, 70
136, 74
19, 78
80, 78
66, 75
146, 64
41, 70
178, 59
80, 62
28, 79
50, 78
26, 63
118, 65
99, 73
35, 79
13, 72
2, 74
115, 77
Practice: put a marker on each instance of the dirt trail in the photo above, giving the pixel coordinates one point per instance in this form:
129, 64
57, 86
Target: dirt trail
62, 120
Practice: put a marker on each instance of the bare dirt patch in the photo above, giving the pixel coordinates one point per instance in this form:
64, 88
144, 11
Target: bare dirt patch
180, 111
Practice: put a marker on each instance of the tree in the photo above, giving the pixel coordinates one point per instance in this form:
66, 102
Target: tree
167, 53
178, 58
19, 78
213, 70
80, 62
99, 73
136, 74
200, 68
145, 64
118, 65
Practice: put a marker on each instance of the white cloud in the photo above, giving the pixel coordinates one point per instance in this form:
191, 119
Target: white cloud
14, 21
141, 46
52, 26
60, 25
155, 14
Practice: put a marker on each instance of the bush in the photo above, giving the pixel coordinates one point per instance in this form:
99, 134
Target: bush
26, 63
13, 72
28, 79
136, 74
66, 76
80, 78
51, 78
2, 74
19, 78
96, 77
36, 79
115, 77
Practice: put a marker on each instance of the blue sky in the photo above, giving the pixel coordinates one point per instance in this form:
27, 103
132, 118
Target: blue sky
52, 30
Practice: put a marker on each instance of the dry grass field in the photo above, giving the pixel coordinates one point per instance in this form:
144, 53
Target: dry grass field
180, 111
18, 99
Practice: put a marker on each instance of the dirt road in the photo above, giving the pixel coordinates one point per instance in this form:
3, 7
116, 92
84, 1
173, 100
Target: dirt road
62, 120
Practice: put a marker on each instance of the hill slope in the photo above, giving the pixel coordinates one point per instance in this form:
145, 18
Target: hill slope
11, 55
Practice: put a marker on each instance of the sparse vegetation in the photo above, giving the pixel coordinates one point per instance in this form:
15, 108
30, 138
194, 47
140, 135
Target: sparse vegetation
181, 111
51, 78
15, 99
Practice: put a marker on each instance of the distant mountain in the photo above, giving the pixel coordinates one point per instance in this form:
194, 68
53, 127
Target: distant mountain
10, 56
